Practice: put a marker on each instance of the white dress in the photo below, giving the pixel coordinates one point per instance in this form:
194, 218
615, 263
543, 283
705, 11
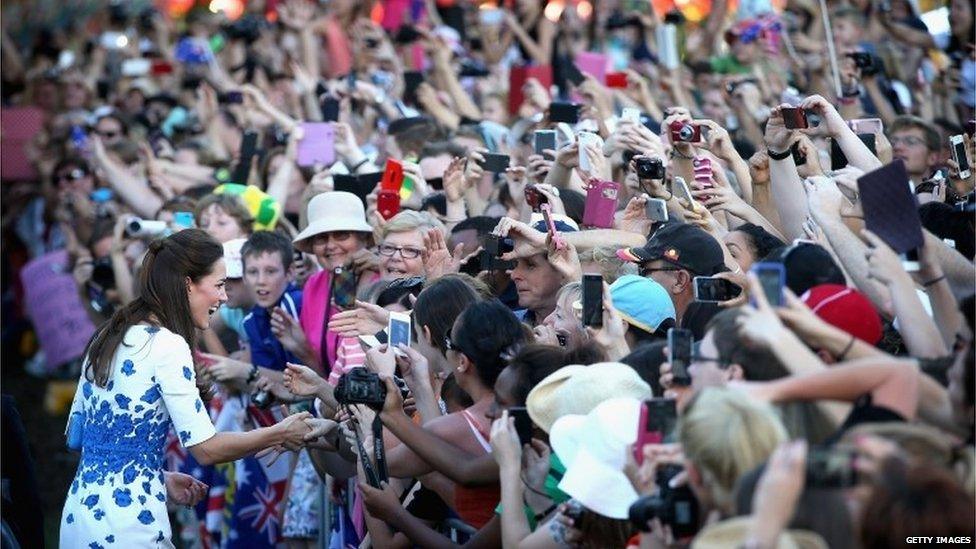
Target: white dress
118, 498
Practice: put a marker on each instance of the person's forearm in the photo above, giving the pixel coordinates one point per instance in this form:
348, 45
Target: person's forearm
945, 310
332, 464
885, 112
740, 169
904, 33
224, 447
851, 251
476, 204
515, 527
444, 457
281, 180
539, 52
957, 269
426, 402
462, 101
935, 406
921, 336
418, 532
796, 357
310, 104
136, 194
858, 154
586, 240
842, 345
443, 115
123, 277
789, 196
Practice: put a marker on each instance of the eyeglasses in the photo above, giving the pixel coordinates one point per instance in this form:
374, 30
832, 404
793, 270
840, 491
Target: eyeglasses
449, 344
646, 271
910, 140
702, 358
108, 135
405, 253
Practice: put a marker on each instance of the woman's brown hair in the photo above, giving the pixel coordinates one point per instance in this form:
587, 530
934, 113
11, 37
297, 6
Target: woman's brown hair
162, 296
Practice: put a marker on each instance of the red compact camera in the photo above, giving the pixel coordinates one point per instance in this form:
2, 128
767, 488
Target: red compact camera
684, 132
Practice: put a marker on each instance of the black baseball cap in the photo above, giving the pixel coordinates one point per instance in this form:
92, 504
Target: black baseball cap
681, 244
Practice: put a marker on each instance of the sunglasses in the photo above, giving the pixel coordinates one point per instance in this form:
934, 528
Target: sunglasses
450, 344
646, 271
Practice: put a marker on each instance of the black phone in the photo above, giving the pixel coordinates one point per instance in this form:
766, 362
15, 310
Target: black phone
709, 288
661, 417
411, 81
359, 185
593, 300
838, 159
523, 423
564, 112
407, 35
493, 248
680, 346
330, 109
545, 140
249, 149
574, 74
231, 98
496, 163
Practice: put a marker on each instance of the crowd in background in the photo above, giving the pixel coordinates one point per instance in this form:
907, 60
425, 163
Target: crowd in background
839, 412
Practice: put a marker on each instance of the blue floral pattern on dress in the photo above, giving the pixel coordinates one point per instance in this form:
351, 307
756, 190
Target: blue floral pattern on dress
126, 423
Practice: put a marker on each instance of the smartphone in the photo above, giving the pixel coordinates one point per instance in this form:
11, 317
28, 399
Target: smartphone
136, 67
772, 278
658, 419
574, 75
330, 109
249, 148
680, 345
344, 284
399, 329
591, 139
959, 155
713, 289
493, 248
616, 80
631, 114
388, 203
544, 140
564, 112
667, 45
184, 220
523, 423
593, 300
601, 204
113, 40
317, 145
411, 81
407, 35
496, 163
866, 125
681, 190
794, 118
656, 210
369, 341
360, 185
392, 176
231, 98
831, 468
550, 226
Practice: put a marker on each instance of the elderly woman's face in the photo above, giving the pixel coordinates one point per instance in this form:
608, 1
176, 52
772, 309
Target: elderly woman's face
401, 255
336, 248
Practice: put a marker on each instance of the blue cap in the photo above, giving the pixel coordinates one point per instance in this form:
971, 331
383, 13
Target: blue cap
641, 302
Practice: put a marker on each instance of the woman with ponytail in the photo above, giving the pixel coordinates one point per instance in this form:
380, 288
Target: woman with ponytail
137, 381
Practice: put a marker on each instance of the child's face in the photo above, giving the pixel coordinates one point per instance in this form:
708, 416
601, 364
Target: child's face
266, 277
219, 224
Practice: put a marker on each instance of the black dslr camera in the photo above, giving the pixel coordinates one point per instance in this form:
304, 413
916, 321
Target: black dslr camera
360, 386
650, 168
676, 507
869, 63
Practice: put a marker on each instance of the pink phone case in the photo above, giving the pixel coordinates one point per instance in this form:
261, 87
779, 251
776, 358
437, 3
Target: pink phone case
643, 437
317, 145
601, 203
594, 64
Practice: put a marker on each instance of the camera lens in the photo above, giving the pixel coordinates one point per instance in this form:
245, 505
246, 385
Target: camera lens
686, 132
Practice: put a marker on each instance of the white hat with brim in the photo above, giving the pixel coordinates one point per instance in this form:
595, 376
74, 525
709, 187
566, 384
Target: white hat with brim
577, 389
233, 261
329, 212
594, 450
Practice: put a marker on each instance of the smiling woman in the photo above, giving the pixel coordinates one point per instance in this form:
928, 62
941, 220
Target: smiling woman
139, 381
402, 244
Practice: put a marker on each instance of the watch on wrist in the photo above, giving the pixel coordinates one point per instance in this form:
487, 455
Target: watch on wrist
253, 374
773, 155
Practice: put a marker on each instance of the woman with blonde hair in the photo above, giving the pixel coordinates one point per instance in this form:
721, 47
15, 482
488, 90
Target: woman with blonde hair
724, 434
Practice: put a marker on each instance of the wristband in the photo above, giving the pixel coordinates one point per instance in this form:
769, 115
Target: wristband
360, 164
778, 155
934, 281
253, 374
847, 349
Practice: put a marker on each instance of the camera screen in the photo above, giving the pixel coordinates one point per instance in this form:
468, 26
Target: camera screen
399, 332
959, 148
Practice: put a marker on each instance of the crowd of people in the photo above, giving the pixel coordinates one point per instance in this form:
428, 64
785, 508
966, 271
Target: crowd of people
541, 274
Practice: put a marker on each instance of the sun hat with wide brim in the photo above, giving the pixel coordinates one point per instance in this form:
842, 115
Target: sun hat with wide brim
332, 211
594, 448
577, 389
734, 533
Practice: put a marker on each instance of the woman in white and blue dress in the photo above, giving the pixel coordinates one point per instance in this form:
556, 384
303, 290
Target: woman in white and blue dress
138, 380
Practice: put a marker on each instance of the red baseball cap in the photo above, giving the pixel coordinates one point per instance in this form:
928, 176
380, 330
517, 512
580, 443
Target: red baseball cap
845, 308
